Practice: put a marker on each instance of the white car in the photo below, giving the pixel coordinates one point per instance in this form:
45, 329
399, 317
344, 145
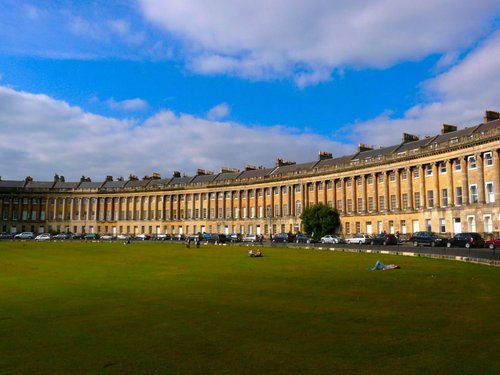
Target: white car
250, 238
43, 237
358, 239
330, 238
123, 237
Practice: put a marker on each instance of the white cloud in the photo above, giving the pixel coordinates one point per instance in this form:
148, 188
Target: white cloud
123, 29
43, 136
309, 40
458, 96
136, 104
218, 112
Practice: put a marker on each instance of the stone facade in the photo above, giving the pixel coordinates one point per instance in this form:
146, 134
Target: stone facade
447, 183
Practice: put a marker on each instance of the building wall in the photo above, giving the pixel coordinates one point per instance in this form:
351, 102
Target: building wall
445, 189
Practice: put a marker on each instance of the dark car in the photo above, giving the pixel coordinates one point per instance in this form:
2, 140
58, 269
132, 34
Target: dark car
384, 239
492, 244
214, 238
467, 239
235, 237
302, 238
92, 237
428, 238
77, 236
283, 237
6, 236
61, 236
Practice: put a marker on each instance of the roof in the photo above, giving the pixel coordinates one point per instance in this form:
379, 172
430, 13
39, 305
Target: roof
90, 185
11, 184
255, 173
456, 134
113, 184
66, 185
328, 163
372, 154
180, 180
159, 182
202, 178
293, 168
137, 183
39, 185
227, 176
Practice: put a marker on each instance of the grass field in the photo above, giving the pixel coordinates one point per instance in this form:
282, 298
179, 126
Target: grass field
146, 308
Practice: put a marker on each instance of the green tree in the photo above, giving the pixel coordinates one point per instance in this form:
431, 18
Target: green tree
320, 220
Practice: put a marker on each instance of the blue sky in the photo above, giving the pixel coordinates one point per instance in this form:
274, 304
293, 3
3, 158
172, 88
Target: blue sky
101, 88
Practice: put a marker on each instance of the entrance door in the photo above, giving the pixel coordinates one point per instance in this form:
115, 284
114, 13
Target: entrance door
416, 226
457, 225
369, 229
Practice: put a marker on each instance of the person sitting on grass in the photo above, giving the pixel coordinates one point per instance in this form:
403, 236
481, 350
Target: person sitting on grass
258, 253
381, 266
251, 253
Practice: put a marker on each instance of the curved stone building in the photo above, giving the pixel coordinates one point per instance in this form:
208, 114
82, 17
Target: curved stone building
446, 183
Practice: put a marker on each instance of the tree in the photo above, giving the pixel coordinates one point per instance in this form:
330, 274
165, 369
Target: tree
320, 220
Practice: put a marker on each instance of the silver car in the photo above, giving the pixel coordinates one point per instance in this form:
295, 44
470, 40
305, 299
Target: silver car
358, 238
24, 236
43, 237
331, 238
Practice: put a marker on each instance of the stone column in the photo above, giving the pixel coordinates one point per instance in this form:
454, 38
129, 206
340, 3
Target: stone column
398, 189
451, 188
496, 166
464, 165
365, 192
480, 184
423, 193
435, 187
386, 190
409, 176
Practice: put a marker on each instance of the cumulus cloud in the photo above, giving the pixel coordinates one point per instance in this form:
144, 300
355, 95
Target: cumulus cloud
310, 40
43, 136
458, 96
218, 112
135, 104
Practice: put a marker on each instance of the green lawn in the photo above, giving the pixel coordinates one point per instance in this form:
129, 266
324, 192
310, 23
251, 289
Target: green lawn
147, 308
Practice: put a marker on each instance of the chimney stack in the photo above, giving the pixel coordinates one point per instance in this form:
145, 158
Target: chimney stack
445, 128
491, 116
323, 155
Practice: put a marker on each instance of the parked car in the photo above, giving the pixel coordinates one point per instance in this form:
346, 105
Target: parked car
43, 237
492, 244
331, 238
283, 237
6, 236
214, 238
142, 237
359, 238
302, 238
178, 237
384, 239
77, 236
428, 238
123, 237
107, 237
60, 236
235, 237
251, 238
24, 236
92, 237
467, 239
161, 237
